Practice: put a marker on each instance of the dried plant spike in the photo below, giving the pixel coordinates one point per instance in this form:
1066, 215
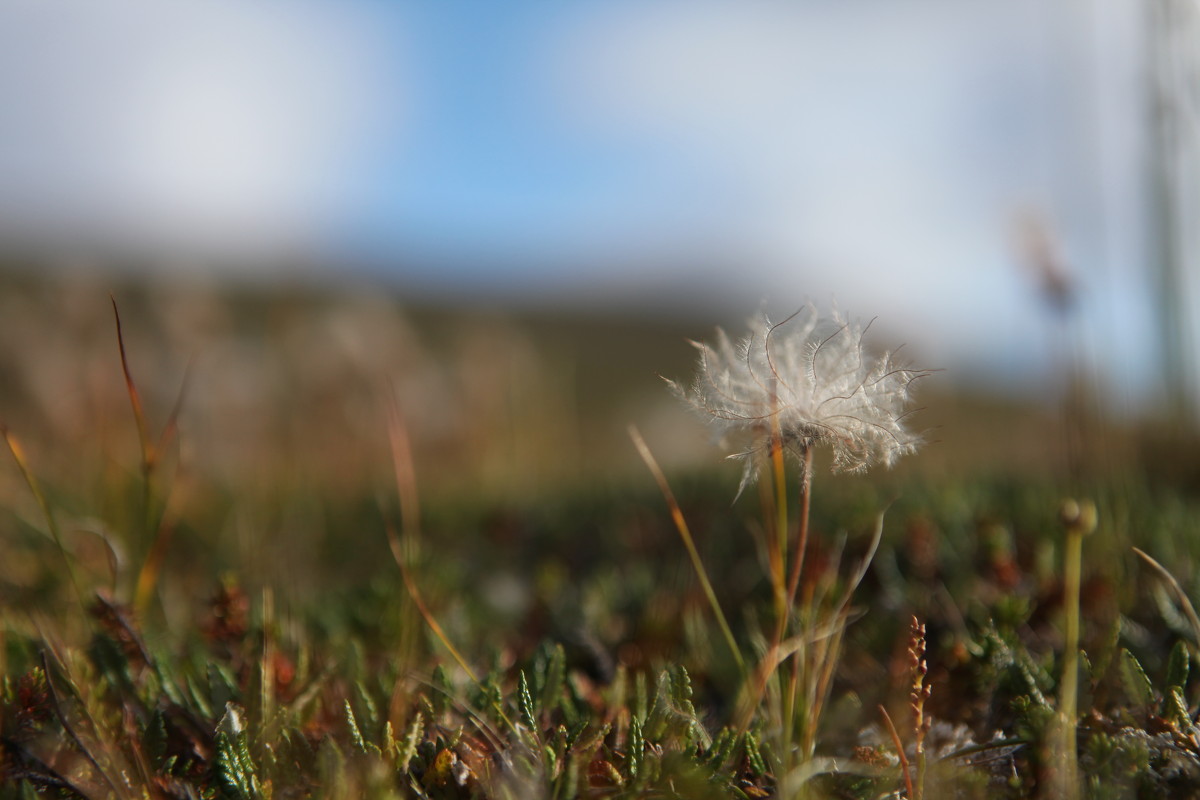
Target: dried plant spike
918, 695
803, 382
920, 691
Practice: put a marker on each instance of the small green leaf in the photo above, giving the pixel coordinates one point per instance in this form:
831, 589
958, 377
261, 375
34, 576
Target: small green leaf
233, 765
155, 740
637, 747
721, 748
754, 755
555, 677
443, 690
525, 701
389, 739
368, 706
222, 686
331, 764
569, 705
593, 740
641, 702
656, 718
1178, 665
1175, 708
411, 740
1134, 679
355, 734
683, 686
570, 778
455, 737
491, 696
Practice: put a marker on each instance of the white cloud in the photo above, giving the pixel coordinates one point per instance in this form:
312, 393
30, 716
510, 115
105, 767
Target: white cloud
877, 151
218, 125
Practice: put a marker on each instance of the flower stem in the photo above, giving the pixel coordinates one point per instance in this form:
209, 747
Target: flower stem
1070, 678
779, 558
789, 708
802, 523
1079, 520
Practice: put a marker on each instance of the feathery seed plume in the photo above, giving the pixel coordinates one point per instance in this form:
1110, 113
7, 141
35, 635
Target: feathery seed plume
808, 381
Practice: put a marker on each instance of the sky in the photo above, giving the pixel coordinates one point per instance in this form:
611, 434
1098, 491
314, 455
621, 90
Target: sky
889, 156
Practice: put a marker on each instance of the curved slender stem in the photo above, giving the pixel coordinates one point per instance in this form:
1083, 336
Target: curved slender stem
685, 534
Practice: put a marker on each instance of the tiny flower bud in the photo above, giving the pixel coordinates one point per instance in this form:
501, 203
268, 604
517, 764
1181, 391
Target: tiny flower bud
1078, 517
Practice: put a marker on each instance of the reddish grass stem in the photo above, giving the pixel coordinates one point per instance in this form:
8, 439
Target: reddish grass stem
899, 745
147, 578
18, 455
685, 534
410, 516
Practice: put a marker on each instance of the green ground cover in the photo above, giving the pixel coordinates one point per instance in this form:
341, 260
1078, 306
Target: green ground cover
332, 626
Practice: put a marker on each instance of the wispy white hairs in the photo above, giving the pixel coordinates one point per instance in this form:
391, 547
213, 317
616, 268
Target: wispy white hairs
809, 381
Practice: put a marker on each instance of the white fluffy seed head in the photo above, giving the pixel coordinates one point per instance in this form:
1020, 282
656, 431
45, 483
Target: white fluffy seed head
808, 381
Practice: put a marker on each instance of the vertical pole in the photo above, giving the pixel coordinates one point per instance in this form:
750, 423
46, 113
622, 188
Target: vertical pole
1172, 33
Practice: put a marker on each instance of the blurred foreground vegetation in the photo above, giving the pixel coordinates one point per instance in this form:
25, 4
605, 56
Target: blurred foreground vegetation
212, 606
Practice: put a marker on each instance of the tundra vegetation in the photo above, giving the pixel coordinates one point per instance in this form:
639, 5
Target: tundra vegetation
311, 546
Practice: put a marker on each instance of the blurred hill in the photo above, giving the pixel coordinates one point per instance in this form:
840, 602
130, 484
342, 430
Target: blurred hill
288, 389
